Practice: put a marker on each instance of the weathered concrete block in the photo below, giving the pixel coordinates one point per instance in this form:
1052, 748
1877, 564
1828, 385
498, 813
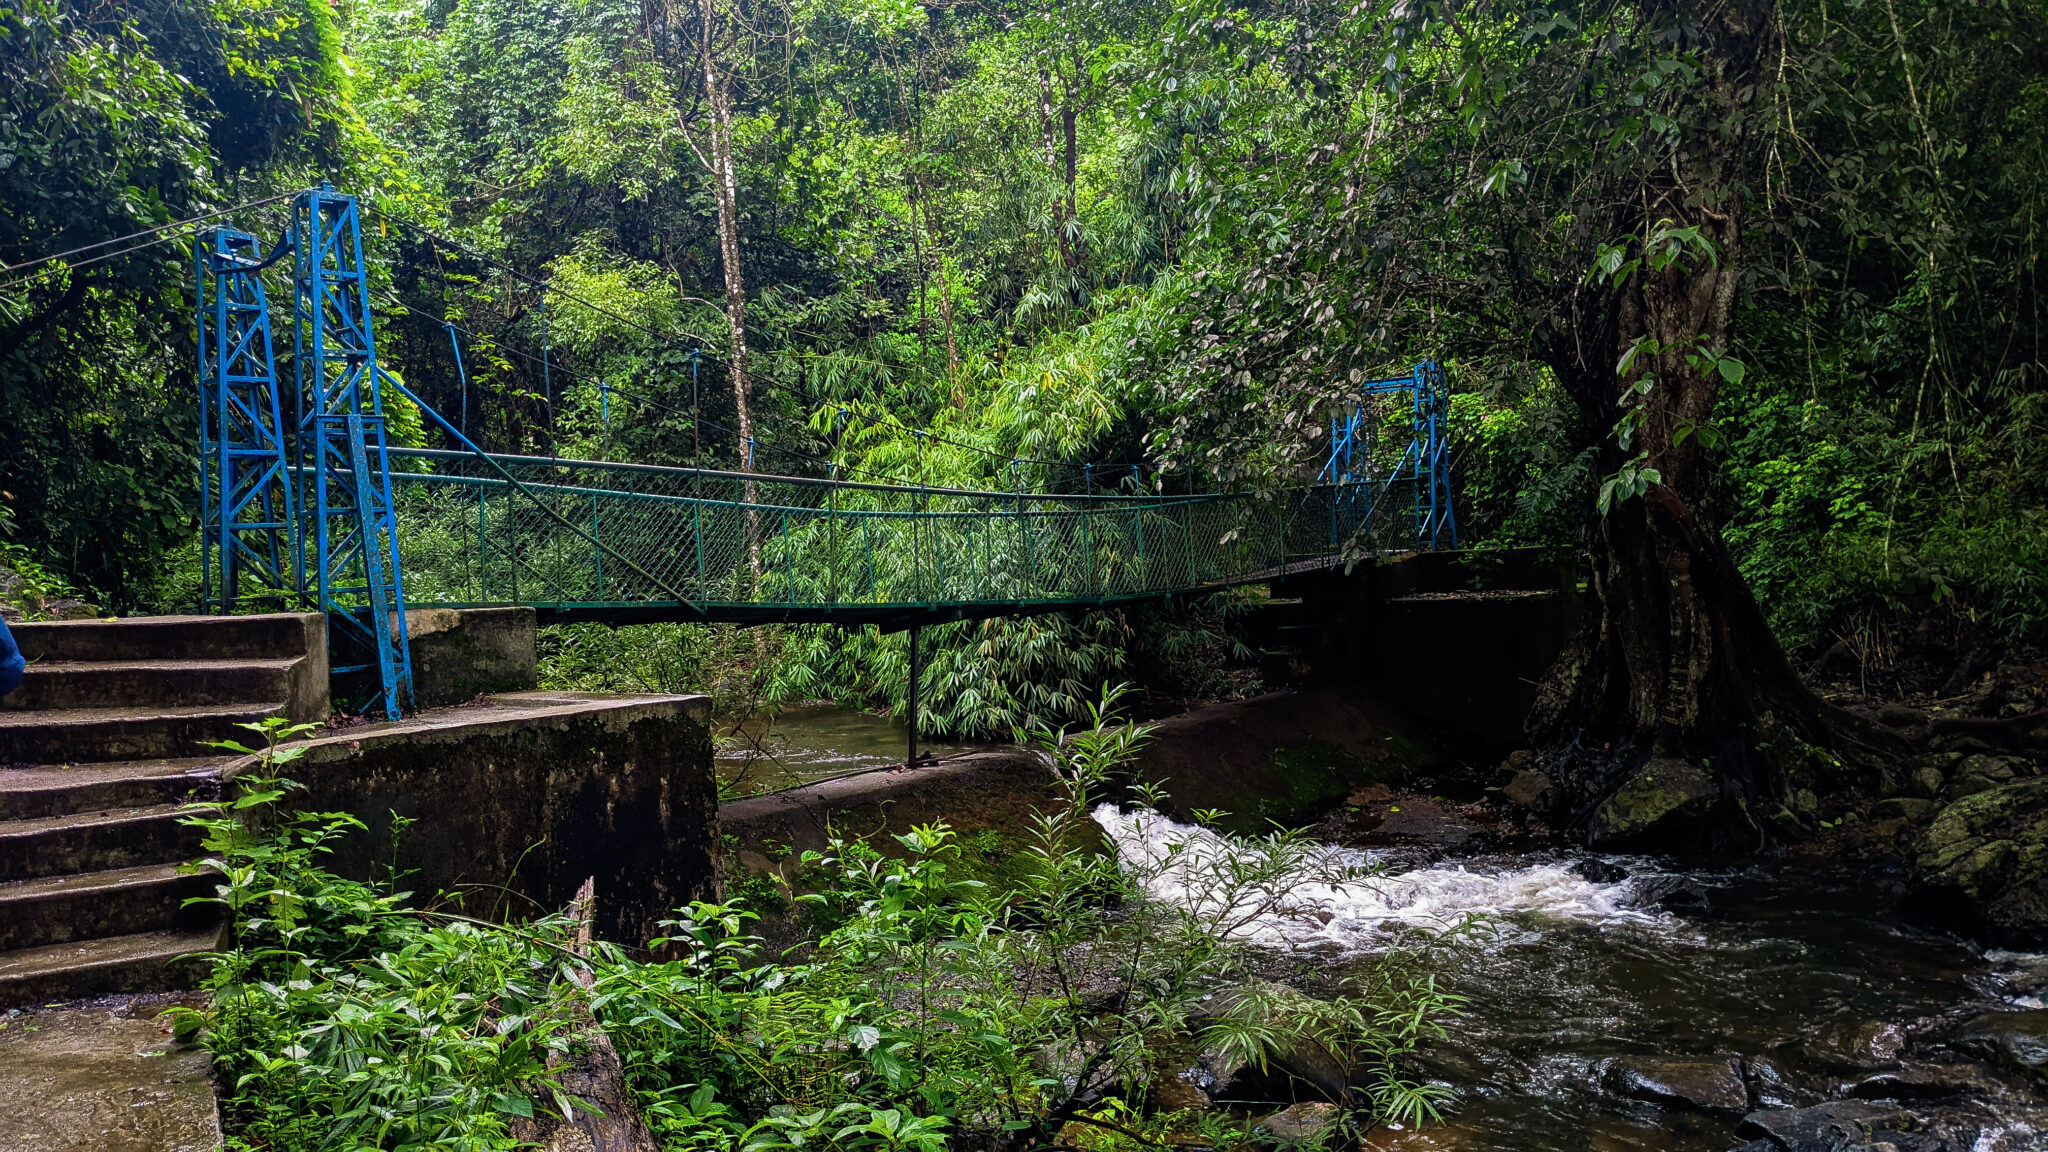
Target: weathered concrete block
999, 788
517, 800
459, 654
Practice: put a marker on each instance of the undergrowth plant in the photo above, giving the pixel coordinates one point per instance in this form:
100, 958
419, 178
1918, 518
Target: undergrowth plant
1014, 1018
338, 1018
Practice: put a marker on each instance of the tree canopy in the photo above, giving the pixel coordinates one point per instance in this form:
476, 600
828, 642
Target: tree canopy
1778, 261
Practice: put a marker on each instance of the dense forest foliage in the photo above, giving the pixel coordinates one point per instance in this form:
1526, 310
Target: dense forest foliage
1078, 245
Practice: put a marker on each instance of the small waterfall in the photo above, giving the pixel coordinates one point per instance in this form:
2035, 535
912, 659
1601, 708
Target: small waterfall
1188, 865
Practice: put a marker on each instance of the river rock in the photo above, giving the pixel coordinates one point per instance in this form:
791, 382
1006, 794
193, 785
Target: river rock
1301, 1123
1897, 715
1528, 788
1926, 1080
1666, 796
1978, 773
1673, 893
1901, 807
1711, 1085
1927, 781
1861, 1045
1600, 871
1832, 1127
1172, 1092
2017, 1041
1286, 1069
1984, 860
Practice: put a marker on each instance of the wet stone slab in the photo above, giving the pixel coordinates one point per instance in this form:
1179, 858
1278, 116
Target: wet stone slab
104, 1075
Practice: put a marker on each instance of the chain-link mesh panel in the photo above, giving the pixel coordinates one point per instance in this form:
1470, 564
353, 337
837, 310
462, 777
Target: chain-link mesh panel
568, 532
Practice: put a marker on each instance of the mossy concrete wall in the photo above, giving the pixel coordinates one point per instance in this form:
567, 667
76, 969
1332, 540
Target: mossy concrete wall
459, 654
999, 788
518, 799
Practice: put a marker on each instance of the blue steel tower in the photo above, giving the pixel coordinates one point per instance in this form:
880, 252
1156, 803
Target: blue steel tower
352, 538
248, 512
1426, 461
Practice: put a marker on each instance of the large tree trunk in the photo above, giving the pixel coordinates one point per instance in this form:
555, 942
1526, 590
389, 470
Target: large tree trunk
1675, 718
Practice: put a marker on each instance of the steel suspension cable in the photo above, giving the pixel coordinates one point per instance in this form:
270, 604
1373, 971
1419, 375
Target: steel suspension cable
200, 219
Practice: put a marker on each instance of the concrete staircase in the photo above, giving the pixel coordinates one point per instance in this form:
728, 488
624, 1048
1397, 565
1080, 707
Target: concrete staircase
1289, 634
100, 750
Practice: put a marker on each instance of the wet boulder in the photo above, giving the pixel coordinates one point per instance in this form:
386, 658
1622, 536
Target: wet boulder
1832, 1127
1178, 1092
1854, 1045
1600, 871
1901, 807
1301, 1124
1529, 789
1709, 1085
1665, 797
1674, 893
2015, 1041
1983, 862
1934, 1080
1287, 1073
1897, 715
1927, 781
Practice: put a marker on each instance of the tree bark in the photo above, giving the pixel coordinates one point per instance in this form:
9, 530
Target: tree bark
590, 1073
1048, 139
725, 190
938, 267
724, 171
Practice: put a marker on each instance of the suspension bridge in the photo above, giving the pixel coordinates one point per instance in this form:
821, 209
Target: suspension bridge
305, 501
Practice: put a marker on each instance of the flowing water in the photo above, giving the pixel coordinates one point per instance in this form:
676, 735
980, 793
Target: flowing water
812, 742
1799, 973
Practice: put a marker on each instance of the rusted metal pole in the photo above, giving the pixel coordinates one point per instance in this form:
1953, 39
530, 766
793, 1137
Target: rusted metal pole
916, 675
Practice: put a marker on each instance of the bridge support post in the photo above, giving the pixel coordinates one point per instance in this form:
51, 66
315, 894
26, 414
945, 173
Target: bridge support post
916, 678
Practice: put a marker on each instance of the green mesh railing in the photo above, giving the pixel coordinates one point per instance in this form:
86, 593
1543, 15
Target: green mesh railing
593, 536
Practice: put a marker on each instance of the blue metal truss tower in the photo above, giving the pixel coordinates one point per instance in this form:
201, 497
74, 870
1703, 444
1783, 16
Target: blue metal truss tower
351, 537
1426, 460
246, 497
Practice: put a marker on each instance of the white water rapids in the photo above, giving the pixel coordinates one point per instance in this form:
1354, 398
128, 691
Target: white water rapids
1301, 897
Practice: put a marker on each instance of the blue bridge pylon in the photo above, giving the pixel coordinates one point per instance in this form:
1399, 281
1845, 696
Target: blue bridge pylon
1422, 470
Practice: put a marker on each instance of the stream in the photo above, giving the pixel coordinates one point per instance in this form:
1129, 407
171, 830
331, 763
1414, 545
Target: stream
1588, 966
806, 743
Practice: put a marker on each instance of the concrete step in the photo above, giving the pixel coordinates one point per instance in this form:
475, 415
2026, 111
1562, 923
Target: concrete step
65, 684
96, 841
1285, 666
144, 962
116, 902
33, 793
266, 637
89, 735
